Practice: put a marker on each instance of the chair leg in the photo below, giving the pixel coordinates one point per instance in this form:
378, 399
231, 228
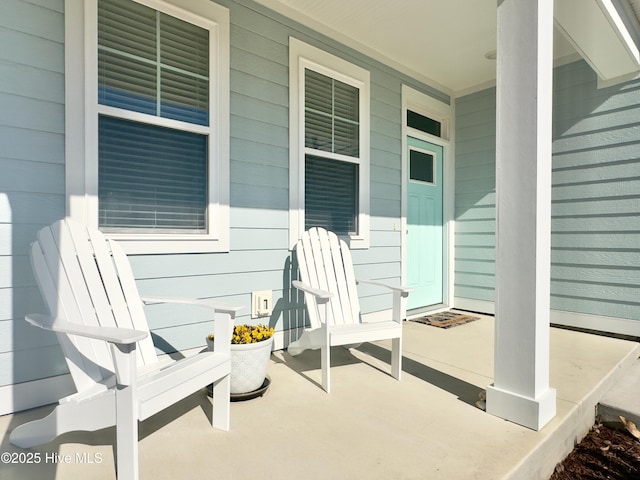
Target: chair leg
221, 403
396, 358
126, 433
325, 363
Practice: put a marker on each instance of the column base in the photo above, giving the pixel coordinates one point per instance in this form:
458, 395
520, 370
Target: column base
532, 413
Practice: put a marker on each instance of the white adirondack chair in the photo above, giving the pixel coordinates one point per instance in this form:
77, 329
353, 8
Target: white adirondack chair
98, 316
329, 286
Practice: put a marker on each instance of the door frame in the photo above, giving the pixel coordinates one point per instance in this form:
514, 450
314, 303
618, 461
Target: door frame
423, 104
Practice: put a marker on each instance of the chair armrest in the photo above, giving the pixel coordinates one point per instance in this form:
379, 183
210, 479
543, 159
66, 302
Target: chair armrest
206, 303
122, 340
399, 308
118, 336
223, 324
322, 296
404, 291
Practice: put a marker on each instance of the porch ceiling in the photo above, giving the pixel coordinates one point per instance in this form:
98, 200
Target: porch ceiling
440, 42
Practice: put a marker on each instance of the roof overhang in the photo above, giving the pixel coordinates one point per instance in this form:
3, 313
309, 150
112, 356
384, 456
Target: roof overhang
605, 33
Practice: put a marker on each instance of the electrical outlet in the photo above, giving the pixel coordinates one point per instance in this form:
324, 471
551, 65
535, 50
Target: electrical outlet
261, 303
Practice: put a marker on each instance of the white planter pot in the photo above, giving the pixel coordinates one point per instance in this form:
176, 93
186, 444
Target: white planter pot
249, 363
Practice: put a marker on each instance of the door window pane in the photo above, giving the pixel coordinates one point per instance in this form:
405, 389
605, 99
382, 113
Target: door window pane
421, 166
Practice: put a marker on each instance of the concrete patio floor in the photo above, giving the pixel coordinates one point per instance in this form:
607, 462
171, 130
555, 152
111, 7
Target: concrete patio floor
369, 427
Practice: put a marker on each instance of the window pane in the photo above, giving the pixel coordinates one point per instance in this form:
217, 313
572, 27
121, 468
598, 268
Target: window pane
150, 62
127, 55
424, 124
318, 131
184, 98
317, 92
331, 192
126, 83
421, 166
184, 46
184, 90
128, 27
346, 138
346, 101
151, 178
331, 115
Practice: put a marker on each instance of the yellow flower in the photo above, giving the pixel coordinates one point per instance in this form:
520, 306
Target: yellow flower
250, 334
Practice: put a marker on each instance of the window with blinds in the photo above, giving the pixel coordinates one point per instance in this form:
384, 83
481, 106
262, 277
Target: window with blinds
332, 130
152, 176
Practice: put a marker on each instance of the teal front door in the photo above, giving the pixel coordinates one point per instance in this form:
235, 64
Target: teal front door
424, 224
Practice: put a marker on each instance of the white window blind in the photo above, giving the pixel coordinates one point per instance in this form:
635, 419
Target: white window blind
151, 178
331, 115
331, 195
152, 63
331, 125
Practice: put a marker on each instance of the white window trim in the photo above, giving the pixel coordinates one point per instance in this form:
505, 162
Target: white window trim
301, 56
81, 124
418, 102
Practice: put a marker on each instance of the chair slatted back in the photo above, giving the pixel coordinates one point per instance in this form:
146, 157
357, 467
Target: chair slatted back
325, 262
86, 278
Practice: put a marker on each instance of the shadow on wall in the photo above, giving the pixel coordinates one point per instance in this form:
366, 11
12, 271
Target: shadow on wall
291, 306
29, 353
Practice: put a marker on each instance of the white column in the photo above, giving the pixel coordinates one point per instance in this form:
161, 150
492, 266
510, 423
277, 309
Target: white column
520, 392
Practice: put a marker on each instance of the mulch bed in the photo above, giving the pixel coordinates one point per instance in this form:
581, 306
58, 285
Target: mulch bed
605, 453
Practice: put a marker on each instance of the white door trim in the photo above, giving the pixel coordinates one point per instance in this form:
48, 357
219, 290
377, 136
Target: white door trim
425, 105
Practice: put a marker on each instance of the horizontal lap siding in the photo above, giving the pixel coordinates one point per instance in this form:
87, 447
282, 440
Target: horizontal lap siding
595, 195
475, 207
382, 261
32, 185
259, 185
32, 178
259, 257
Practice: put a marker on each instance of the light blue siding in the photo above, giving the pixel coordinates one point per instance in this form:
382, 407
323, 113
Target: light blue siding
259, 258
595, 195
32, 178
475, 208
32, 135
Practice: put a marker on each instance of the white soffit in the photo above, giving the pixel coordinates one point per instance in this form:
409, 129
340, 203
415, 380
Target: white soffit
601, 34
